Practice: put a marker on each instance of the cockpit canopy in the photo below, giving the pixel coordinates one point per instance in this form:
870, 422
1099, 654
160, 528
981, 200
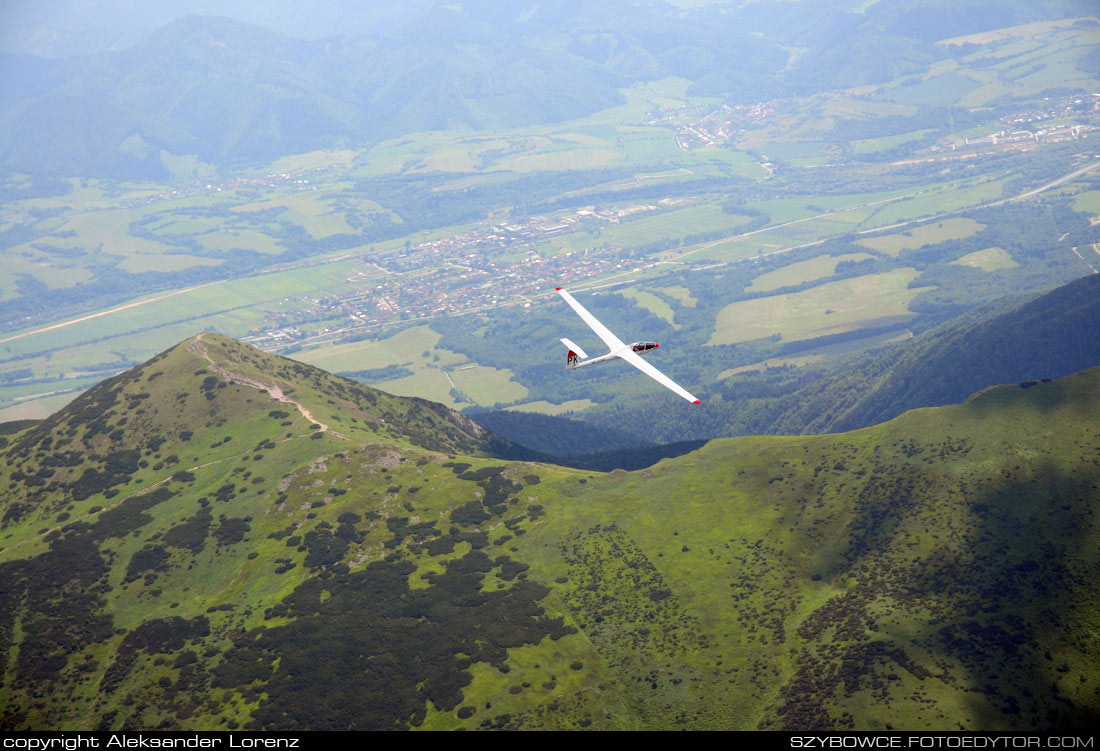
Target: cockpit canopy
644, 346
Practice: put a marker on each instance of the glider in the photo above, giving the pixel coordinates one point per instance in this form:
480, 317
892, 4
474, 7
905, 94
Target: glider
618, 350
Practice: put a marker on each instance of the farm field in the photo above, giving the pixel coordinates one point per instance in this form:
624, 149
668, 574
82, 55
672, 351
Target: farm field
680, 294
487, 386
652, 303
871, 145
237, 306
989, 259
926, 234
1088, 201
417, 345
831, 308
427, 382
803, 271
37, 409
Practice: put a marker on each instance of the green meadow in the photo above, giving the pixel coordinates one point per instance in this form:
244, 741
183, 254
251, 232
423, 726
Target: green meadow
989, 259
802, 271
926, 234
830, 308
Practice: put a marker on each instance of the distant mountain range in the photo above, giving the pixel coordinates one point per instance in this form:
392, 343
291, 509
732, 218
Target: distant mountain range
220, 538
233, 92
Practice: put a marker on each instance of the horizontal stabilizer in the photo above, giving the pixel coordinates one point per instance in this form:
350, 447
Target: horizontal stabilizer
574, 347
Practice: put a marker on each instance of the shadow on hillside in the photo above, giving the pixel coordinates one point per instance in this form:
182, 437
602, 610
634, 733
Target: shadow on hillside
979, 592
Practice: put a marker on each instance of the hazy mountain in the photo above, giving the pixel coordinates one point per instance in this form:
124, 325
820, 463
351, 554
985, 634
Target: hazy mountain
261, 84
221, 538
65, 28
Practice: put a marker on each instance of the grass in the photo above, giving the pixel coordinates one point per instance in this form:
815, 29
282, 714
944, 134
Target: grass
871, 145
418, 348
788, 150
941, 199
946, 88
487, 386
989, 259
652, 303
427, 382
311, 160
34, 409
268, 291
1024, 31
928, 234
831, 308
1089, 201
408, 346
230, 239
803, 271
706, 591
308, 210
682, 295
53, 275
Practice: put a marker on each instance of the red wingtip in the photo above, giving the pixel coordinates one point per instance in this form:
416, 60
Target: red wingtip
556, 288
696, 402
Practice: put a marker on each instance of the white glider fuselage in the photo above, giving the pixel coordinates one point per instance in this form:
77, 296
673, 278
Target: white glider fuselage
618, 350
640, 348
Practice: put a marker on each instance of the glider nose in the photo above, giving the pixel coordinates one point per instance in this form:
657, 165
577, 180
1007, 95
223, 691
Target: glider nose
656, 345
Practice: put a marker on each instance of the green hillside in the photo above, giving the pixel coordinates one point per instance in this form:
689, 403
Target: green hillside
221, 538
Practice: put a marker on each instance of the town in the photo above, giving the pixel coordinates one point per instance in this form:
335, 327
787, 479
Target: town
482, 268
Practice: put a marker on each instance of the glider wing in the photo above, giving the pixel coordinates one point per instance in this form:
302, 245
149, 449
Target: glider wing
656, 375
612, 341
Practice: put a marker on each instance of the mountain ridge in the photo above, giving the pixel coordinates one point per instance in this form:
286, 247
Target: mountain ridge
933, 572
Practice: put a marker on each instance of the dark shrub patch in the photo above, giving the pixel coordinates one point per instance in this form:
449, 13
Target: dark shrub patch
231, 530
129, 515
383, 649
472, 514
150, 559
190, 535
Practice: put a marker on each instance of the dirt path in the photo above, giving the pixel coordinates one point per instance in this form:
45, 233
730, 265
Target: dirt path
273, 389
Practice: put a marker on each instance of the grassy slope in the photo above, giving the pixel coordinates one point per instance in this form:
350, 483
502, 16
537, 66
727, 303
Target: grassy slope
933, 572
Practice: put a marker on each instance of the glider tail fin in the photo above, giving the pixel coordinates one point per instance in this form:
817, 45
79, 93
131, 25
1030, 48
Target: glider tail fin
575, 353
